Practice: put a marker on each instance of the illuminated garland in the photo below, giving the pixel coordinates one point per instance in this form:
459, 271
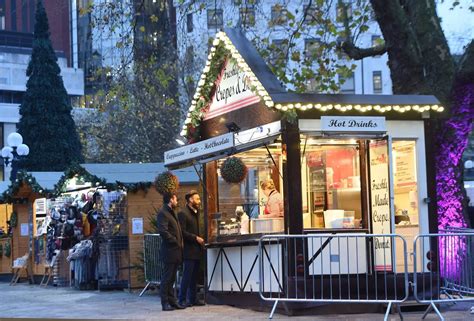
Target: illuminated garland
222, 49
22, 177
8, 196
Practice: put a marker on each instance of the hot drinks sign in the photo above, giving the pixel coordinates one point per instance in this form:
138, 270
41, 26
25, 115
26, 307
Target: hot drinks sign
232, 91
352, 124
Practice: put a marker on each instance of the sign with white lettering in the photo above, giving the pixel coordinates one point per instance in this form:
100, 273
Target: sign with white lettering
380, 204
232, 91
198, 150
353, 124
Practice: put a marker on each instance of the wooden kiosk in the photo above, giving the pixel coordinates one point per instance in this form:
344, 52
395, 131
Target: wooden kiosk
343, 164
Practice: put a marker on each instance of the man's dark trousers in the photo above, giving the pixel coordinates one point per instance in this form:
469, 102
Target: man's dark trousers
189, 220
167, 281
188, 290
171, 252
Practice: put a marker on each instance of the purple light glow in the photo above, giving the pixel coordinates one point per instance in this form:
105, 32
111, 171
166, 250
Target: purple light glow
454, 138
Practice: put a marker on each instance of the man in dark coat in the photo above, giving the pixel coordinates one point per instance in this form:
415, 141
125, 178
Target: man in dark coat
171, 250
193, 245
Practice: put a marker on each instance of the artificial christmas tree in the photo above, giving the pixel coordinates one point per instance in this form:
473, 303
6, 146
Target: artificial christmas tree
46, 123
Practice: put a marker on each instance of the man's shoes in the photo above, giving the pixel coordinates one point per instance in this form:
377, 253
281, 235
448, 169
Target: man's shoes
167, 307
199, 303
184, 304
178, 306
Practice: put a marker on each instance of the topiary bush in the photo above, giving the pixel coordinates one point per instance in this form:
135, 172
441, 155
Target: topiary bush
233, 170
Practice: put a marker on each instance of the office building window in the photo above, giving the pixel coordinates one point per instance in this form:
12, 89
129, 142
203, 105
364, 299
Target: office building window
311, 47
279, 15
377, 81
279, 52
340, 53
215, 18
24, 16
311, 14
247, 16
347, 84
2, 14
376, 41
189, 56
312, 86
189, 22
343, 9
13, 15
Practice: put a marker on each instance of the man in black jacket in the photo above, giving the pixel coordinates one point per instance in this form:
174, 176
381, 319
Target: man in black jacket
193, 245
171, 250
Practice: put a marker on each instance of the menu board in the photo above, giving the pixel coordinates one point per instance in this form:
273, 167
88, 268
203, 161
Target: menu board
404, 165
380, 204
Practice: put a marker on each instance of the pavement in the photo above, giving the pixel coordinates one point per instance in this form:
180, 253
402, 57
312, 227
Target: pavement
24, 301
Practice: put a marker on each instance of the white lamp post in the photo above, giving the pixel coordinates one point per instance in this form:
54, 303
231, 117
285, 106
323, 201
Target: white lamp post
14, 152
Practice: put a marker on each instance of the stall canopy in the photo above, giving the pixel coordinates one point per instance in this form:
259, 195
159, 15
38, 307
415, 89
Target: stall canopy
129, 176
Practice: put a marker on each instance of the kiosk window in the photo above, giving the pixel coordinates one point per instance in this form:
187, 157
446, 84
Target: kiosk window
331, 183
405, 182
252, 206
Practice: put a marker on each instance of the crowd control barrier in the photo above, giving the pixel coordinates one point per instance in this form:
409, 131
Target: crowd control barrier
447, 268
333, 268
151, 258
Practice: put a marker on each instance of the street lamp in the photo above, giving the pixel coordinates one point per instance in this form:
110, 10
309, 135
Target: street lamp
14, 152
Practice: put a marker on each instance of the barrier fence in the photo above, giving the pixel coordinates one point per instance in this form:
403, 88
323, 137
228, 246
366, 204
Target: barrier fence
333, 268
448, 268
367, 268
152, 262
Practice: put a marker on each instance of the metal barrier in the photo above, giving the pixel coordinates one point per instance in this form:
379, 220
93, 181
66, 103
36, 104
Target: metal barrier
447, 273
333, 268
151, 260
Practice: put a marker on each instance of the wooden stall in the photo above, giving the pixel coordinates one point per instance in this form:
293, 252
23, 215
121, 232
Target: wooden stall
35, 193
143, 201
5, 239
337, 164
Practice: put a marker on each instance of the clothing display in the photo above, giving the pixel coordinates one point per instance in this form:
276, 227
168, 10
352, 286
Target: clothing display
89, 243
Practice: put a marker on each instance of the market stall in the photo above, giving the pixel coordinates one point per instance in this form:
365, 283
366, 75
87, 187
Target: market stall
87, 224
282, 162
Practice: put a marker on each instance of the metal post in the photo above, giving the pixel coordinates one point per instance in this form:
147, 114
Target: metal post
273, 309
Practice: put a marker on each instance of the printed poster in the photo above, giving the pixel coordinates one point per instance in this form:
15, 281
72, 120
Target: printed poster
380, 204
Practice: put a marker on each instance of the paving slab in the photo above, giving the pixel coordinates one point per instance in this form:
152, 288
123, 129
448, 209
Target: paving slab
25, 301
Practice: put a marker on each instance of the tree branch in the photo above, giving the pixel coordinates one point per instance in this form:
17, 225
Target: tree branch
465, 70
357, 53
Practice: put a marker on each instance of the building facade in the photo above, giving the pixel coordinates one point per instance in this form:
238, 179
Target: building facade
198, 22
16, 39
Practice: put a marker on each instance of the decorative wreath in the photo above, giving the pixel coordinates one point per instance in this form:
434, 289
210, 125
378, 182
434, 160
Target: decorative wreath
8, 249
233, 170
167, 183
14, 219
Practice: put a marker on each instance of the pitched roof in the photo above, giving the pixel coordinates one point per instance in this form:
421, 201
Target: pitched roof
136, 172
274, 95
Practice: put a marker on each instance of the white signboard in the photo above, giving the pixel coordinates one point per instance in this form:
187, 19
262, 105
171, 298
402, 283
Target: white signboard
24, 229
257, 133
352, 124
203, 148
232, 91
380, 204
137, 225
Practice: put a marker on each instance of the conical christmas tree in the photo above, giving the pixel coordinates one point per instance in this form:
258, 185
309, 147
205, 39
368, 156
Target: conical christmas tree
46, 123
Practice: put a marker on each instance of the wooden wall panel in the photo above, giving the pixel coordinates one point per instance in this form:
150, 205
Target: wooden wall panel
145, 205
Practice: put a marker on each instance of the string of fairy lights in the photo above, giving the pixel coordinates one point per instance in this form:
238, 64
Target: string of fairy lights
222, 39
